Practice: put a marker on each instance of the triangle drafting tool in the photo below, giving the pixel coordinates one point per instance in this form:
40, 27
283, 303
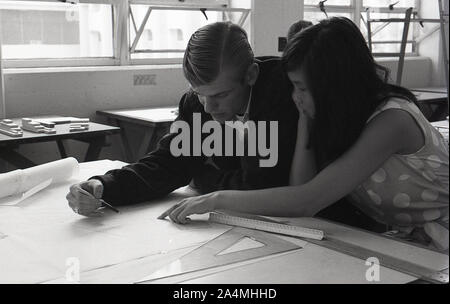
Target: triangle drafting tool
235, 245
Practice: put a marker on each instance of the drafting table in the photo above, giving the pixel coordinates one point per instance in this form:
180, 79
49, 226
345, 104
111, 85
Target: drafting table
433, 104
38, 237
153, 121
431, 89
442, 127
95, 137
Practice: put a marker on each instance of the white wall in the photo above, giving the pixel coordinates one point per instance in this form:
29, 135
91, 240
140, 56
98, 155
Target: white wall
83, 92
271, 19
416, 71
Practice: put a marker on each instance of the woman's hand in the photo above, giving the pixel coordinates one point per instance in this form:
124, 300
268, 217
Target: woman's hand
194, 205
304, 103
304, 126
305, 114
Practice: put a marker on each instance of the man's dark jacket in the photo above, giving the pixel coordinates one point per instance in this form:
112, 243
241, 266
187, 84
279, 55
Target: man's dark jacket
159, 173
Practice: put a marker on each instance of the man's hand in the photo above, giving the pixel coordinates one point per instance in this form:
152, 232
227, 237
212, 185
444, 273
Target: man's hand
84, 197
194, 205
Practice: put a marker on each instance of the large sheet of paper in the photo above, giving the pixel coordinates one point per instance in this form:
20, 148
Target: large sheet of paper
42, 233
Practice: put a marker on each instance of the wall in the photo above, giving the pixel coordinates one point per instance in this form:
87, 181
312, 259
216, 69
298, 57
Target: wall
416, 71
84, 91
271, 19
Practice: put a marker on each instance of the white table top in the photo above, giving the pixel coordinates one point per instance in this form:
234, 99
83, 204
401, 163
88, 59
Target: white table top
37, 238
442, 127
431, 89
153, 115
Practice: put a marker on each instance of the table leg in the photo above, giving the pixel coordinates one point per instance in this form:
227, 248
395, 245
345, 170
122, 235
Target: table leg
146, 142
16, 159
95, 146
439, 112
160, 131
126, 148
62, 150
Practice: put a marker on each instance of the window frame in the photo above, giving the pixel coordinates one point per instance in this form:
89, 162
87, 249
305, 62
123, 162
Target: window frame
121, 52
67, 62
121, 37
356, 8
141, 61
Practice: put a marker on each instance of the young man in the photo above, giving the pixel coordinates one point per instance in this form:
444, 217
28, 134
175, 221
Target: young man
227, 84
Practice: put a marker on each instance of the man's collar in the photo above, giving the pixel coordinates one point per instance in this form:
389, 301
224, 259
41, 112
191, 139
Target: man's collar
244, 117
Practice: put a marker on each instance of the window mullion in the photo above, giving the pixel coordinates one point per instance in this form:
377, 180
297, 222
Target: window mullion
80, 1
358, 8
122, 32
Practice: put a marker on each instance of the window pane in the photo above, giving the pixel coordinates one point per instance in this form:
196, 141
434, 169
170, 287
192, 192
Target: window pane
315, 17
329, 2
381, 31
55, 30
386, 3
171, 29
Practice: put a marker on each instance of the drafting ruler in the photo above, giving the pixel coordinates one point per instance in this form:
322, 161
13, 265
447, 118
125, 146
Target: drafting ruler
273, 227
217, 253
329, 242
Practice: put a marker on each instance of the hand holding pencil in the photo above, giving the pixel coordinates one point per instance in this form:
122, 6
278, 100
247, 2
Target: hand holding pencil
85, 198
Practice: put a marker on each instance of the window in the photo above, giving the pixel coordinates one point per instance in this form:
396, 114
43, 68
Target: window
106, 32
386, 37
46, 30
331, 8
172, 26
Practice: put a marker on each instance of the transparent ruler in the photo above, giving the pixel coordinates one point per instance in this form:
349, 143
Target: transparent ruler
266, 226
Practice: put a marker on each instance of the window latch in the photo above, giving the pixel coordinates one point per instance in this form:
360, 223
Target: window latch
203, 10
322, 7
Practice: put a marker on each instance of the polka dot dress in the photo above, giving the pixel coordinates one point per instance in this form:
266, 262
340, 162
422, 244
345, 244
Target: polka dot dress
410, 191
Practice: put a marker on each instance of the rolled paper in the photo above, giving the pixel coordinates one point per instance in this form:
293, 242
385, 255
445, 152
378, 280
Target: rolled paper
19, 181
10, 183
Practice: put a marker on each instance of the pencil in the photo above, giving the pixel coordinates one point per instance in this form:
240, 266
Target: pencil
105, 204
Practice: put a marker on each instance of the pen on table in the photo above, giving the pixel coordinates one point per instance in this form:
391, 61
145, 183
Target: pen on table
105, 204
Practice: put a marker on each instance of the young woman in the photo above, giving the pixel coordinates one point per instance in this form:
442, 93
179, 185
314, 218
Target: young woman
357, 135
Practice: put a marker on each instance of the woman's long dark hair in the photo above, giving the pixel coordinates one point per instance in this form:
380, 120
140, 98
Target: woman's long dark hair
346, 83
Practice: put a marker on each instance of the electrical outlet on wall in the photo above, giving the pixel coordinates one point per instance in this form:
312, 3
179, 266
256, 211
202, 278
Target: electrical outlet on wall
144, 79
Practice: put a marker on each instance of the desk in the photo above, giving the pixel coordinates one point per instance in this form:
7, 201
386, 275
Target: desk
442, 127
95, 136
433, 104
153, 121
431, 89
37, 238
